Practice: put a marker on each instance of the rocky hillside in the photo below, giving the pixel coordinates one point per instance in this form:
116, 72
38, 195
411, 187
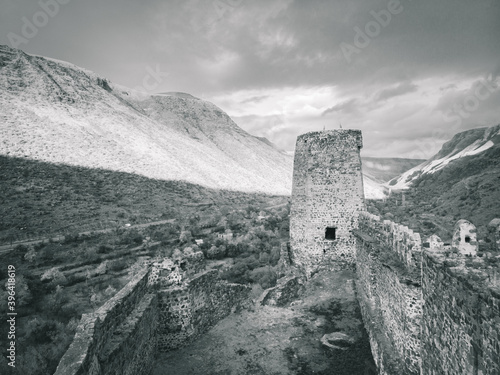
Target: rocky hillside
56, 112
470, 144
53, 111
462, 181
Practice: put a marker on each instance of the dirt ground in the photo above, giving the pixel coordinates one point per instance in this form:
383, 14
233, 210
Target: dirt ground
284, 340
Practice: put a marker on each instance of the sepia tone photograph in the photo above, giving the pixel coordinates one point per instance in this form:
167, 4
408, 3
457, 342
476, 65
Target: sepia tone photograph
250, 187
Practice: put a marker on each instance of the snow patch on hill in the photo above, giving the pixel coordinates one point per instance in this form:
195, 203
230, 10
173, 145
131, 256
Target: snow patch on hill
484, 141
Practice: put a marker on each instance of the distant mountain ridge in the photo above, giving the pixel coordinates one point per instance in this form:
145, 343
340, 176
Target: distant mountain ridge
56, 112
385, 169
469, 143
462, 181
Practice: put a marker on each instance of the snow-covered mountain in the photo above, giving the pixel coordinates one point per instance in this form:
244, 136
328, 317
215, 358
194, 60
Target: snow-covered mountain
467, 143
56, 112
377, 171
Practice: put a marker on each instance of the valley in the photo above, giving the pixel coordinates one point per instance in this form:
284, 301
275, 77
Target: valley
100, 182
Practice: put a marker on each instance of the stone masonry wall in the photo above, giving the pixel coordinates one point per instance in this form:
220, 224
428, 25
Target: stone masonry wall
152, 312
461, 317
389, 293
433, 312
118, 338
327, 192
190, 310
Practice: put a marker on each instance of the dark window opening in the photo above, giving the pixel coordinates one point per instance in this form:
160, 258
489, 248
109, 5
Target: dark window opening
467, 239
330, 233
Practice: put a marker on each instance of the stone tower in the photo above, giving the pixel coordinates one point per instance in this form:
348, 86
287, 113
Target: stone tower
327, 196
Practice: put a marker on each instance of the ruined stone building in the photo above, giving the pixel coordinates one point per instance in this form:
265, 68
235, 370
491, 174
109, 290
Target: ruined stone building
327, 196
430, 310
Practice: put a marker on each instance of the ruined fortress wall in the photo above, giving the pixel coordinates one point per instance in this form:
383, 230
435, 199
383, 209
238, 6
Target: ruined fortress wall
389, 293
108, 336
461, 318
147, 315
188, 311
435, 312
327, 192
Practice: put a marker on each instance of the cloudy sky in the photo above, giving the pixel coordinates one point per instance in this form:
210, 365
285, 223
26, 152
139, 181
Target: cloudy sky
409, 74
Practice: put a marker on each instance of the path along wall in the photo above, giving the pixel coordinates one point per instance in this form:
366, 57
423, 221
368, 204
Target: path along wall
161, 308
389, 291
432, 312
119, 337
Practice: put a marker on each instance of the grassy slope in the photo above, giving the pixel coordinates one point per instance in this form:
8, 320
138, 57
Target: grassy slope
40, 199
468, 188
47, 199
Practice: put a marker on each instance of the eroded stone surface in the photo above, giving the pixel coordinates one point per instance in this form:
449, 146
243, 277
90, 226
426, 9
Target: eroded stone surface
494, 234
161, 308
465, 238
436, 312
434, 242
327, 196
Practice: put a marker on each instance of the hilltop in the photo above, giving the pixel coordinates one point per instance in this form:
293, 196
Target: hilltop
469, 145
56, 112
461, 181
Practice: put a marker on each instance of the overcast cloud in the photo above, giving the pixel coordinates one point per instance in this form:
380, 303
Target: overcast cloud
420, 72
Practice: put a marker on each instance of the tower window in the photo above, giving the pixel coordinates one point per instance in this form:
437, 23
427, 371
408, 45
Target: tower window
330, 233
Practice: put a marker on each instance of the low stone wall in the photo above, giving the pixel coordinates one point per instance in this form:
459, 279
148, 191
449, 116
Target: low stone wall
115, 330
188, 311
163, 307
133, 345
461, 317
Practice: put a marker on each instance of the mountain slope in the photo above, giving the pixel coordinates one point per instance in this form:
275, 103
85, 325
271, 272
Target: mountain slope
468, 143
462, 181
56, 112
377, 171
467, 187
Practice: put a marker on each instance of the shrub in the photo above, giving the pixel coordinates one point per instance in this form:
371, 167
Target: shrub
71, 238
216, 252
185, 236
132, 237
54, 275
104, 249
117, 265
